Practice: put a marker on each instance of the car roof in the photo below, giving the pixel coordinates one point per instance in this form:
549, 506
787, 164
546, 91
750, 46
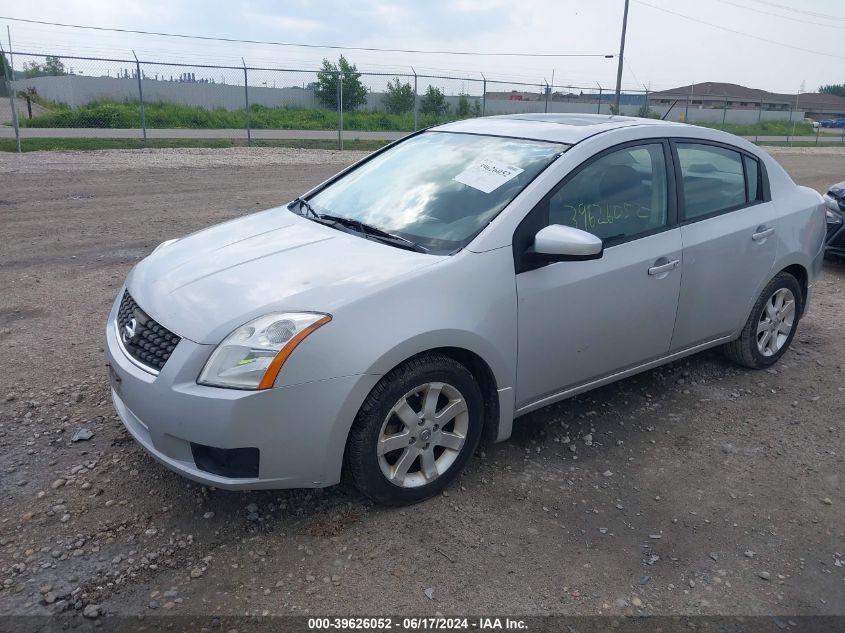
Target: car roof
557, 128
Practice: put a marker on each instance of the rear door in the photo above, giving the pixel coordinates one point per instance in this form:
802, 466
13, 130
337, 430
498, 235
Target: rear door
728, 227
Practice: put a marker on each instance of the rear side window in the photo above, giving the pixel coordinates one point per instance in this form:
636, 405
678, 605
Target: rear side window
714, 179
753, 183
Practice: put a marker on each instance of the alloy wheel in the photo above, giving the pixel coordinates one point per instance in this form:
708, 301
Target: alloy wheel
423, 434
776, 322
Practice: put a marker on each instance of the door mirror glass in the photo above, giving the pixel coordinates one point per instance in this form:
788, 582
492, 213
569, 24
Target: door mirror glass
557, 242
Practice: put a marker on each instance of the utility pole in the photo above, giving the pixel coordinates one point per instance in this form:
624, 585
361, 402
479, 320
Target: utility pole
621, 55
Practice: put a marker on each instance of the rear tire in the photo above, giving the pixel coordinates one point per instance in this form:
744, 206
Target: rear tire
415, 431
771, 325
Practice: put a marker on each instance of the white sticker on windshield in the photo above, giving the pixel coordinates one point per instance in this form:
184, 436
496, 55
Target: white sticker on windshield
487, 175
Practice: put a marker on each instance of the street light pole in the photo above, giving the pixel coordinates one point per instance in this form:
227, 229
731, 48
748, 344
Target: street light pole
621, 56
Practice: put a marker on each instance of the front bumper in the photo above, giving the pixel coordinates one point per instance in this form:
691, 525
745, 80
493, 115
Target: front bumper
299, 431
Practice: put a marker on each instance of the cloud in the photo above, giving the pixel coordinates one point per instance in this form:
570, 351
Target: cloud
285, 22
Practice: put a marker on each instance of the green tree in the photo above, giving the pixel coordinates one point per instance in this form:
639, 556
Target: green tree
434, 102
476, 108
462, 109
833, 89
4, 68
399, 97
354, 92
32, 69
53, 66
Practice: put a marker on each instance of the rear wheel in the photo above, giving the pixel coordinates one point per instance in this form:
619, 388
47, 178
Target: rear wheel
415, 431
771, 325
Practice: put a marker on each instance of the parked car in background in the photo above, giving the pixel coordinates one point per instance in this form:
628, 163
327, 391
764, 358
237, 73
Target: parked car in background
834, 201
833, 123
812, 122
468, 274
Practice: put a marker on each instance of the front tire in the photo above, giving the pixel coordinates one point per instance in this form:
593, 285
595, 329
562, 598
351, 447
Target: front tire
415, 431
771, 325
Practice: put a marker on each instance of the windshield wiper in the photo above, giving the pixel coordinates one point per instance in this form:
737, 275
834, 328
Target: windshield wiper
302, 202
368, 230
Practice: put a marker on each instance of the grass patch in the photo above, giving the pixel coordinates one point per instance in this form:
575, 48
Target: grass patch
171, 115
161, 115
87, 144
763, 128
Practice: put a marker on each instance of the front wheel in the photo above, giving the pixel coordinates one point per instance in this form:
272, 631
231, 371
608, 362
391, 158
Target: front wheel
415, 431
771, 326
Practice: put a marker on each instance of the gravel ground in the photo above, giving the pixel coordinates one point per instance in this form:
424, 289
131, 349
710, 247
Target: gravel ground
696, 488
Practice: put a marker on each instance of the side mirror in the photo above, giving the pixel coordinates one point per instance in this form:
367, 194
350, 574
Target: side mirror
559, 243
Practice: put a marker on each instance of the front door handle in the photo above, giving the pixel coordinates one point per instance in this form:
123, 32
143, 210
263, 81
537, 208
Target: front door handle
762, 233
659, 269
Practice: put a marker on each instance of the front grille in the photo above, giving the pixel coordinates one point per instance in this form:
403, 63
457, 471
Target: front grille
143, 339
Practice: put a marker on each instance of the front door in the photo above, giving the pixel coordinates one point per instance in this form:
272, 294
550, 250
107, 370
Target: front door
582, 320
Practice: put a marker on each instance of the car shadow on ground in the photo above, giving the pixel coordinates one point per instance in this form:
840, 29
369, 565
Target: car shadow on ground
328, 511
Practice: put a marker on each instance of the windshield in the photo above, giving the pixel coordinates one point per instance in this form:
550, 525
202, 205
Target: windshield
437, 189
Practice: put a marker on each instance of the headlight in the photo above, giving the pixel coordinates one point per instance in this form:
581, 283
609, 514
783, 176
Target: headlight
163, 244
251, 356
833, 217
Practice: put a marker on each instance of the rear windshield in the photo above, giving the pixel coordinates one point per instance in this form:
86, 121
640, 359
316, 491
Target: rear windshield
438, 189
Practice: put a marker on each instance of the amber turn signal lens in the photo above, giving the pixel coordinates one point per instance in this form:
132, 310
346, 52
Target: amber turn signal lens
275, 367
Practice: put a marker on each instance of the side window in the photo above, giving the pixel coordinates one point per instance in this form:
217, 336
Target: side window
714, 179
619, 195
753, 184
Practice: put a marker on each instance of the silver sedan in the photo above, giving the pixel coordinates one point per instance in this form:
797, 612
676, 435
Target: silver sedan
391, 318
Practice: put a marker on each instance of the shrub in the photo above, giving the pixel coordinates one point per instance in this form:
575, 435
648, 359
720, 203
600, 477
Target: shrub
434, 102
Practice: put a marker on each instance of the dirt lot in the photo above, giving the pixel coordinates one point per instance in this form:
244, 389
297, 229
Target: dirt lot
694, 488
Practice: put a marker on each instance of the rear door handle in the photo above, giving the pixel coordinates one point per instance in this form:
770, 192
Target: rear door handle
762, 233
664, 268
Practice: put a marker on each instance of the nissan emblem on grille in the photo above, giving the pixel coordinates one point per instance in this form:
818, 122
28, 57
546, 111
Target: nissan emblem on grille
129, 330
144, 340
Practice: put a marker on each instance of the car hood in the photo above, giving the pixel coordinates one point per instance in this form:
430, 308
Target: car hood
204, 285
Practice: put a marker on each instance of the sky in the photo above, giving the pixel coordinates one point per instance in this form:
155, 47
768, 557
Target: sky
777, 45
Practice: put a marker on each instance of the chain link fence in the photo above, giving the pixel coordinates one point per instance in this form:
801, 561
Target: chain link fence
131, 98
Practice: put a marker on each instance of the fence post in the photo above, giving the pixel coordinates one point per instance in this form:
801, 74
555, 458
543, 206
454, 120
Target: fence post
725, 110
647, 109
797, 97
140, 97
415, 97
788, 137
598, 108
12, 103
546, 105
483, 95
689, 98
340, 110
246, 101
